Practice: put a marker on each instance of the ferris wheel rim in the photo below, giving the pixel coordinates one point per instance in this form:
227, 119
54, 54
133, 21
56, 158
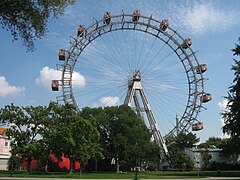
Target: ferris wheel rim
186, 56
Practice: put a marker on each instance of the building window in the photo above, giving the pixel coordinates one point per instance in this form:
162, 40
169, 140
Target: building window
6, 143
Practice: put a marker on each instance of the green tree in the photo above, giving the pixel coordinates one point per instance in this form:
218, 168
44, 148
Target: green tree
206, 157
25, 124
28, 19
71, 135
179, 159
14, 162
120, 130
231, 115
43, 153
213, 142
188, 140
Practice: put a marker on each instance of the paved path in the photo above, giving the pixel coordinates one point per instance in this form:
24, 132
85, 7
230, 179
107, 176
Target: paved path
209, 178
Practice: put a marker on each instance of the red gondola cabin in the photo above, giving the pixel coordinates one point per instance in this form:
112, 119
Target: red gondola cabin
197, 126
136, 15
80, 31
201, 68
55, 85
61, 54
107, 18
164, 24
186, 43
206, 97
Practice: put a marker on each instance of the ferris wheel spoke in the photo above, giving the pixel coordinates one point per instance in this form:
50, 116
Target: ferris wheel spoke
101, 63
127, 45
94, 98
133, 52
149, 51
160, 61
156, 56
165, 120
116, 53
119, 45
140, 58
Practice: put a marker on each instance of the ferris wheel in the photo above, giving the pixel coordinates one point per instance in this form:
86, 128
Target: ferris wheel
138, 61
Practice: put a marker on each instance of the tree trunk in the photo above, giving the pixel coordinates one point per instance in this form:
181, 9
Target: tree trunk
117, 165
29, 164
96, 165
71, 165
46, 168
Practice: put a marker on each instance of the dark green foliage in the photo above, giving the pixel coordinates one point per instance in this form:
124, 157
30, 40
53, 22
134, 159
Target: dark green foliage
28, 19
236, 50
223, 166
14, 162
179, 159
186, 140
231, 115
37, 130
72, 135
206, 157
213, 142
231, 150
112, 132
25, 126
123, 136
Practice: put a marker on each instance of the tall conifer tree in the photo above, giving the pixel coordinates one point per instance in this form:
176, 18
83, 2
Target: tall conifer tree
231, 115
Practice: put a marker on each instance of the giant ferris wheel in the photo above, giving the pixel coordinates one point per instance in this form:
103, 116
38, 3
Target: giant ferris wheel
138, 61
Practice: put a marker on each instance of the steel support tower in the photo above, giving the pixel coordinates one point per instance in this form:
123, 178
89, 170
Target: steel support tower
134, 87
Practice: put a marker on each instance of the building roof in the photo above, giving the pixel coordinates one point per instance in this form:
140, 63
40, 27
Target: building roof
204, 149
3, 131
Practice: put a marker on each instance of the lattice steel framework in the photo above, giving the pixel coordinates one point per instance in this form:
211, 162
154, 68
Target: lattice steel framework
151, 26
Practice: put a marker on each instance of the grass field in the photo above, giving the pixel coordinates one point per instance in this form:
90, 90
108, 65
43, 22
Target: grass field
125, 175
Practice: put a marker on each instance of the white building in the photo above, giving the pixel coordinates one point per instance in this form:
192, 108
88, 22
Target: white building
197, 156
4, 149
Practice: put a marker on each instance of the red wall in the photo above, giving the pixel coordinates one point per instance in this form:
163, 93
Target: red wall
63, 163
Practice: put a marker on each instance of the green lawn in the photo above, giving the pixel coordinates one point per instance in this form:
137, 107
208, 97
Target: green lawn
127, 175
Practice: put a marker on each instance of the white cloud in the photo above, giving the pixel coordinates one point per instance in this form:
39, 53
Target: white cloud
78, 79
47, 75
198, 17
7, 89
222, 105
109, 101
205, 17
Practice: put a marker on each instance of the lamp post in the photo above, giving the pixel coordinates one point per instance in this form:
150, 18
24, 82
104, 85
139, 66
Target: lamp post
136, 169
177, 124
198, 165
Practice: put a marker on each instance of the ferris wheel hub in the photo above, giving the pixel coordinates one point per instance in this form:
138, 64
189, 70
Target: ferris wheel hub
137, 75
170, 38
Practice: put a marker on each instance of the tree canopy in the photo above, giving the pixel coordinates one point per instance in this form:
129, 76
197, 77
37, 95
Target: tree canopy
179, 159
25, 128
28, 19
35, 131
213, 142
124, 136
110, 132
231, 115
72, 135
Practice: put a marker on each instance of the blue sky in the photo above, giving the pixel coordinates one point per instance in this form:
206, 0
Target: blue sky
213, 26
